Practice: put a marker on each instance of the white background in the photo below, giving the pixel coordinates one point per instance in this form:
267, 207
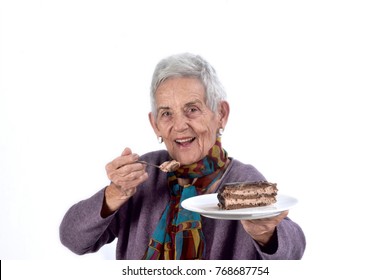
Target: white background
307, 82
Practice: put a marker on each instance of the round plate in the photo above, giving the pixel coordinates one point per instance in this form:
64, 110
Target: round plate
207, 205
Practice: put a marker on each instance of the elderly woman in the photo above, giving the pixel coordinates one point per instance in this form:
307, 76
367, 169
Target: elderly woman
141, 207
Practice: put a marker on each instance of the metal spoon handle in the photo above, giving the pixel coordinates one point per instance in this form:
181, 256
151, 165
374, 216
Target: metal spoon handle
147, 163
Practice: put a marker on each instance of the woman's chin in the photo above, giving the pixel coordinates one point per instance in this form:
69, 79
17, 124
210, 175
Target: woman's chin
187, 160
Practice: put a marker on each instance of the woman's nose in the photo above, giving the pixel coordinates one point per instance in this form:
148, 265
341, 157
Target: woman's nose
180, 123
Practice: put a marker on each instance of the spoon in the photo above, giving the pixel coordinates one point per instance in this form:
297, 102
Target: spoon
148, 163
168, 166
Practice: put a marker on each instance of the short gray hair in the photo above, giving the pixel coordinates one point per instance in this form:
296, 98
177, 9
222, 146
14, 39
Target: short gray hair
188, 65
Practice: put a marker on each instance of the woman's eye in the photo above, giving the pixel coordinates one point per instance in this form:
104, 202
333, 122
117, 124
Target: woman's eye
193, 110
166, 114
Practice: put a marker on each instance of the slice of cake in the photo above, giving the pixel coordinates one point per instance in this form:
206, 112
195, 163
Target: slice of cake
170, 166
246, 194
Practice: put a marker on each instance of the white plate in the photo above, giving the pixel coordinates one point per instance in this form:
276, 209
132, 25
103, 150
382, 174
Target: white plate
207, 205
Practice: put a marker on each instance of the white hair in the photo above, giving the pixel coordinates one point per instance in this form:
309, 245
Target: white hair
188, 65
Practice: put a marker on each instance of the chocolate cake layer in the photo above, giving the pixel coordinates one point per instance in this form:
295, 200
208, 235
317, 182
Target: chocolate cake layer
246, 194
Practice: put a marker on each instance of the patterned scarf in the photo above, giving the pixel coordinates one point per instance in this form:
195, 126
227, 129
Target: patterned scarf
179, 235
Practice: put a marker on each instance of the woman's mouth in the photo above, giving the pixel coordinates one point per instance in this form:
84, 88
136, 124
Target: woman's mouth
185, 141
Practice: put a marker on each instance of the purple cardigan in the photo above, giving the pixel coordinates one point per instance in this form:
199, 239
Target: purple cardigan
83, 230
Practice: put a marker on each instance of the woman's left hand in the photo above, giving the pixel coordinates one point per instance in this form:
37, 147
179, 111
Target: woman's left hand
262, 230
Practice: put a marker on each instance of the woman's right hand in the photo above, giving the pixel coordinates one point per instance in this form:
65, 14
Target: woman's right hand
125, 175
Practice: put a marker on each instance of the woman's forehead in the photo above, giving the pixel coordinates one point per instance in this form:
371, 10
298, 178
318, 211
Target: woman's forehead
180, 91
181, 83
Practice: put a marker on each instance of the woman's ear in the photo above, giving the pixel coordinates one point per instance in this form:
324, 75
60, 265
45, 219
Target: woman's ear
153, 123
224, 110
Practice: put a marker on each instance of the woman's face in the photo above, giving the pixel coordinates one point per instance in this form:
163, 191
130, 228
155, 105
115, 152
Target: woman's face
187, 126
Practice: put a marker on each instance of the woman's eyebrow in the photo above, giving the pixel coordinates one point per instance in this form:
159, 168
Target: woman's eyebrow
188, 104
195, 102
163, 108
